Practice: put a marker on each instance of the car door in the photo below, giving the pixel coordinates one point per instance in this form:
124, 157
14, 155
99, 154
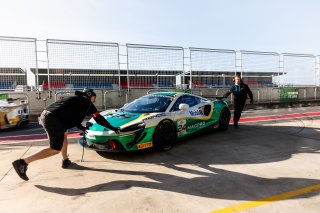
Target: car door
187, 121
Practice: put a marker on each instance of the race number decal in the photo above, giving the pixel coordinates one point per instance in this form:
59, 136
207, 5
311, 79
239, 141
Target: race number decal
181, 127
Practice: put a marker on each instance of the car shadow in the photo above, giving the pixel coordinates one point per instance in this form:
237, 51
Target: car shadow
249, 144
216, 183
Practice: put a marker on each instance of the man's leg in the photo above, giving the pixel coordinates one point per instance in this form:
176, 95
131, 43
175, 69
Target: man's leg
238, 107
21, 165
236, 116
64, 150
44, 153
55, 134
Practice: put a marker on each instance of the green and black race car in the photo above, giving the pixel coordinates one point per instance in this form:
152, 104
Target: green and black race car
156, 120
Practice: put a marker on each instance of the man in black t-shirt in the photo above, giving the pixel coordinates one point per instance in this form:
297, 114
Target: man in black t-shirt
56, 119
240, 92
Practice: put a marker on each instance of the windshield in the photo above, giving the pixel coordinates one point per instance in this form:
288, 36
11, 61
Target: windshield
149, 103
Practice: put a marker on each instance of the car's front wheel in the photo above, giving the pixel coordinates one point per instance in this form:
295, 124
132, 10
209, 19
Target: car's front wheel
164, 135
224, 119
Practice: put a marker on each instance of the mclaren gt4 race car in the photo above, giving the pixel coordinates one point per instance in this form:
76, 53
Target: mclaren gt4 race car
156, 120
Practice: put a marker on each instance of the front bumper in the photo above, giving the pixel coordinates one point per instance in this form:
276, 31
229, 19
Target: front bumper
103, 147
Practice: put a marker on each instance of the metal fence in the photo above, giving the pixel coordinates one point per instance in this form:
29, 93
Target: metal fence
151, 66
78, 64
18, 63
211, 68
260, 69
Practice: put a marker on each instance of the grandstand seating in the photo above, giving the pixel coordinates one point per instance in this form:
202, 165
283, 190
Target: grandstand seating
6, 85
93, 85
77, 85
198, 84
143, 84
164, 85
54, 85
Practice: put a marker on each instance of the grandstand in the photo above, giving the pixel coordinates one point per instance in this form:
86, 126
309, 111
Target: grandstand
10, 77
103, 79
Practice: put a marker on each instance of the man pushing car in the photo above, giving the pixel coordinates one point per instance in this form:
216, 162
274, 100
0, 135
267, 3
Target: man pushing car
56, 119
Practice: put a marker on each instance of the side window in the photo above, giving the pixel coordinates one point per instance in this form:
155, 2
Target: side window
175, 107
192, 101
185, 99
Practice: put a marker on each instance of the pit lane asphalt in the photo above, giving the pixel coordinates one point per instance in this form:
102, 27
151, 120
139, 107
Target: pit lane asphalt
225, 171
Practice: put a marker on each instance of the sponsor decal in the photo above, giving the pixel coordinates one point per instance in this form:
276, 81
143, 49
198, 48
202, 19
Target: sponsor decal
196, 125
144, 145
196, 112
181, 127
154, 116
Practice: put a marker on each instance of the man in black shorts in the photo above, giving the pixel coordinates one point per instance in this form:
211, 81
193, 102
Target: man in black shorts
56, 119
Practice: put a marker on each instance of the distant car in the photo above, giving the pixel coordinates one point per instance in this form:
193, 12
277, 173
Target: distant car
22, 88
156, 120
13, 114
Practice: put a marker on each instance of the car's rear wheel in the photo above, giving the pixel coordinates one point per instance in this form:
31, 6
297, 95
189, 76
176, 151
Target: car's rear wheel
164, 135
224, 119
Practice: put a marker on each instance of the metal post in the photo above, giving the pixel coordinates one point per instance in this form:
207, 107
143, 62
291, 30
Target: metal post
128, 81
37, 74
119, 72
48, 69
190, 83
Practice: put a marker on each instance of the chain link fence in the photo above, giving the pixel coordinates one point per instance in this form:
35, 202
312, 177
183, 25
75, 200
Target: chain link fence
211, 68
299, 70
151, 66
79, 64
18, 63
260, 69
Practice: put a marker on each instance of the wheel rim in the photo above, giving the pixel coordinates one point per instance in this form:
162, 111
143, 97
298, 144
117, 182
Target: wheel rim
224, 118
166, 134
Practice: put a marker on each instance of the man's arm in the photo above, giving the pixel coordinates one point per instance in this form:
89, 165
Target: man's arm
250, 94
228, 92
103, 122
82, 128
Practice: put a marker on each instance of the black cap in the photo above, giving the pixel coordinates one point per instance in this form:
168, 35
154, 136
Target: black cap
89, 92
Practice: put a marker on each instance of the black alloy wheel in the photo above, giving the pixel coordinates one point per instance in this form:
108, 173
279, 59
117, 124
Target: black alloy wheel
164, 135
224, 119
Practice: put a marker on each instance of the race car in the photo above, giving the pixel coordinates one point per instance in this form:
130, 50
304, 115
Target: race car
156, 120
13, 114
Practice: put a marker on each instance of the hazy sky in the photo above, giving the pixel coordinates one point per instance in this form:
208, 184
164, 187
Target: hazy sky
259, 25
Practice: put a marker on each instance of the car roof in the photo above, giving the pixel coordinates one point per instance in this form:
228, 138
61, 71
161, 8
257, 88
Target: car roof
170, 94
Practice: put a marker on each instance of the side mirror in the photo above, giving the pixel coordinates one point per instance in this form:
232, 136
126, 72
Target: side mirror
183, 107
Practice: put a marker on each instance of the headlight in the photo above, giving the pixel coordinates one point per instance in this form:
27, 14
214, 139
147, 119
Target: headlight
91, 136
134, 127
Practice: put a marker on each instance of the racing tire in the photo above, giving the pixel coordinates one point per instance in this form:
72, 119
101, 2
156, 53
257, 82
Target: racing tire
224, 119
164, 136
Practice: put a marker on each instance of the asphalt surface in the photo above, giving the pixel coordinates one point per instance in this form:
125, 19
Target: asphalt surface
263, 166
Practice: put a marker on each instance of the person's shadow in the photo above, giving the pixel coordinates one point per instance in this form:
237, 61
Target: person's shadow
216, 183
239, 146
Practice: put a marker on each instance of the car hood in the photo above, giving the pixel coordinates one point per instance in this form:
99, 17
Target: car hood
120, 119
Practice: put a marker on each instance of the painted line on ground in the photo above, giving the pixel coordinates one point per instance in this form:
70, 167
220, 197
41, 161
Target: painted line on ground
268, 200
277, 117
32, 138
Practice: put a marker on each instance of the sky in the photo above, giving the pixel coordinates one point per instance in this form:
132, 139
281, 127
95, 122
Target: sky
284, 26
